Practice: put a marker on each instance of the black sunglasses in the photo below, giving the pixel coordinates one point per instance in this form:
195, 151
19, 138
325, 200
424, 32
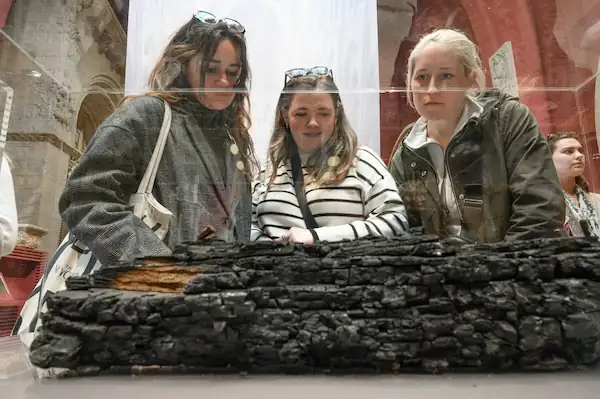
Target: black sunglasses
295, 73
208, 18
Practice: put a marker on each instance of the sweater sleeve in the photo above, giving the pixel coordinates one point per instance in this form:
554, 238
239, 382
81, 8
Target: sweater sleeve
9, 224
384, 211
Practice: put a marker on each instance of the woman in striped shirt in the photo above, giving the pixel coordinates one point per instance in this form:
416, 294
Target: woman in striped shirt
319, 185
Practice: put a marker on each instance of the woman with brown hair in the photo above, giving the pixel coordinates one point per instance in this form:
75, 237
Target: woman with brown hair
319, 185
204, 175
583, 207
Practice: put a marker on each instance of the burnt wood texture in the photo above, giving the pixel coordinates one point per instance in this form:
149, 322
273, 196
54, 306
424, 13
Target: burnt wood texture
407, 304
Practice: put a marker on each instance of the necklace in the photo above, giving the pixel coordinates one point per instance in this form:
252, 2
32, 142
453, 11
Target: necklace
235, 151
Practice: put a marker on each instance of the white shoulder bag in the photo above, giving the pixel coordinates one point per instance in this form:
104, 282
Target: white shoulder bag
73, 258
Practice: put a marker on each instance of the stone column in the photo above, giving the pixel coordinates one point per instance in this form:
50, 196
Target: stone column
40, 57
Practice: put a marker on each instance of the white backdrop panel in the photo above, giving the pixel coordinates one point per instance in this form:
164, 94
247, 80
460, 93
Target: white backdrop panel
281, 34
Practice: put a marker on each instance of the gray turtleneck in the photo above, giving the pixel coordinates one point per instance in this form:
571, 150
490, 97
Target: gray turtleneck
215, 125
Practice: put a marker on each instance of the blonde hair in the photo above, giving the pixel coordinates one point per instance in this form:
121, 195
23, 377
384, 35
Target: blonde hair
460, 44
341, 146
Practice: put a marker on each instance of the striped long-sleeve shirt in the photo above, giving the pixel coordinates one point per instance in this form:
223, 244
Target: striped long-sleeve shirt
365, 203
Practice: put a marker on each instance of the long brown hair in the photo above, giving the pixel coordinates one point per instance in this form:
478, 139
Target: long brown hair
342, 145
169, 81
553, 139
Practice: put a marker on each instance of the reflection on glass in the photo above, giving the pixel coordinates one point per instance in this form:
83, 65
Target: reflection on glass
3, 286
70, 80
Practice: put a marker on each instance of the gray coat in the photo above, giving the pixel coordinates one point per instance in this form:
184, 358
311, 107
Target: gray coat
190, 182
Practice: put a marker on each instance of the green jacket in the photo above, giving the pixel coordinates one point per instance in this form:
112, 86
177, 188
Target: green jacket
501, 172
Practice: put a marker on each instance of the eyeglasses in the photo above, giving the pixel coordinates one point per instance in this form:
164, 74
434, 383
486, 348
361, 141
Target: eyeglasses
295, 73
208, 18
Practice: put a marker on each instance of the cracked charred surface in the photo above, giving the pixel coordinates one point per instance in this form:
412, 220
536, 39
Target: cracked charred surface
375, 305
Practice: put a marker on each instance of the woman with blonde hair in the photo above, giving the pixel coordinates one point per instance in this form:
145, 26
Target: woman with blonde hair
205, 172
583, 206
319, 185
474, 165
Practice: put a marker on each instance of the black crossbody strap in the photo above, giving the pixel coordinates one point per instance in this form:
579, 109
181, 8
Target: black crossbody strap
299, 187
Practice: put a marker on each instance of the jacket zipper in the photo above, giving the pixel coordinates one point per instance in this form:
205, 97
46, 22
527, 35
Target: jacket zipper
454, 140
447, 170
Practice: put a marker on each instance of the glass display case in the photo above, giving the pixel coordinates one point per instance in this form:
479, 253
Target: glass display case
68, 71
71, 64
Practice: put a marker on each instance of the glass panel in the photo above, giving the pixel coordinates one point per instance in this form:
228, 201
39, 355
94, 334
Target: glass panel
66, 64
39, 137
3, 286
67, 69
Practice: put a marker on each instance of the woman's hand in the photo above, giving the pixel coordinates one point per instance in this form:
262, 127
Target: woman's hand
298, 235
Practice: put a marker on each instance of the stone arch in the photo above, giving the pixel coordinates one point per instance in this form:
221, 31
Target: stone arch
109, 86
101, 98
94, 108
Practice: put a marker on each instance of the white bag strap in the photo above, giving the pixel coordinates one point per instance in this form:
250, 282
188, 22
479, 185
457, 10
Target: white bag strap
147, 182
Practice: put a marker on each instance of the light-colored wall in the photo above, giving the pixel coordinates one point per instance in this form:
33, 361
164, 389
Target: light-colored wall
281, 34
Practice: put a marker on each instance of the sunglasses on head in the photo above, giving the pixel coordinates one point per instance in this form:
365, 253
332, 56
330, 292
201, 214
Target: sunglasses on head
295, 73
208, 18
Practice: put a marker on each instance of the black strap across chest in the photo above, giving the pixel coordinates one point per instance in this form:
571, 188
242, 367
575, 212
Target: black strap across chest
299, 187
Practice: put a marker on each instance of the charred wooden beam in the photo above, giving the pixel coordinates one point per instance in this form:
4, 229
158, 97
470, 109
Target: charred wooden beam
374, 305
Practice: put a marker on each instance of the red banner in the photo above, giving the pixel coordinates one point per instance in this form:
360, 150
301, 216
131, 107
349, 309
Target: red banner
4, 9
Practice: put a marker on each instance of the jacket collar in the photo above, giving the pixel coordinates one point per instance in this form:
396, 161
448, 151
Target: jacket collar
418, 138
